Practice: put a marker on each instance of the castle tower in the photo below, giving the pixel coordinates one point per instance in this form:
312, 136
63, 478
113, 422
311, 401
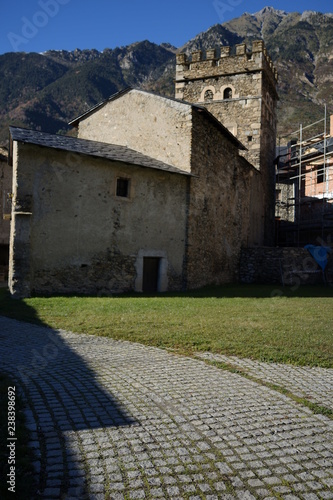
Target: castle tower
240, 91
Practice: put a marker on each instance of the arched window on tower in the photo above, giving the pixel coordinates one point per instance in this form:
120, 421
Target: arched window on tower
227, 94
209, 96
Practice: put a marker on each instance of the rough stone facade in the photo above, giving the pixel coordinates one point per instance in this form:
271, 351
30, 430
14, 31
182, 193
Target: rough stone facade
240, 91
225, 199
288, 266
225, 210
72, 234
155, 126
285, 201
5, 211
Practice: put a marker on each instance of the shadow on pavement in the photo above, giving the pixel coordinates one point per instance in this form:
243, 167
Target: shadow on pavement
63, 394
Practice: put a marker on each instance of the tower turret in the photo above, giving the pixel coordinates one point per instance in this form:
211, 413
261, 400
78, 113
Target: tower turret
239, 89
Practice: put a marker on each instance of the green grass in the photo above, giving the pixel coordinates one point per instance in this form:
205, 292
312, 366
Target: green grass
259, 322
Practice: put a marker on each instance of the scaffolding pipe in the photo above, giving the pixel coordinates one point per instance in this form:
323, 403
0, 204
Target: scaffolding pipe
326, 171
307, 167
299, 181
308, 161
325, 178
304, 128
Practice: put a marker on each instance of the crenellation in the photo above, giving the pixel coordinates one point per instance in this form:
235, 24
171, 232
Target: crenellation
181, 58
239, 89
258, 46
196, 65
197, 56
225, 51
210, 54
241, 49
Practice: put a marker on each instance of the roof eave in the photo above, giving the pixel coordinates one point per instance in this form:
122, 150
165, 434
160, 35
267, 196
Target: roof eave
157, 166
76, 121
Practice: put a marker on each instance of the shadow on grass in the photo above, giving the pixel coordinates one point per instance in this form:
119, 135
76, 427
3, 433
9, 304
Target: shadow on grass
11, 308
61, 394
246, 291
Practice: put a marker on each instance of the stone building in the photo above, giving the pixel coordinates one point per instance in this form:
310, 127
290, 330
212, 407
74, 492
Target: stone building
152, 195
5, 210
240, 91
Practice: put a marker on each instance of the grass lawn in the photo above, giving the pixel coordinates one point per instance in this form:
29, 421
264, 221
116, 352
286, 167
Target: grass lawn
260, 322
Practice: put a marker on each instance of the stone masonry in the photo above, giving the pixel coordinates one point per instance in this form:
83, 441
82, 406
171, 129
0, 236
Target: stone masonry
118, 420
283, 266
240, 91
5, 209
225, 192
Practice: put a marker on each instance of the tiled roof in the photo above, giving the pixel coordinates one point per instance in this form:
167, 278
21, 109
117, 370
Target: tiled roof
111, 152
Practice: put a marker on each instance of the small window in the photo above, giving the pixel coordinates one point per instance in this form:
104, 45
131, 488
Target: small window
122, 187
227, 94
320, 176
209, 96
249, 138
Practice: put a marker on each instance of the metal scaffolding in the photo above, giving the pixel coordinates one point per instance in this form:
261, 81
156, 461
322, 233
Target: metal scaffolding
304, 186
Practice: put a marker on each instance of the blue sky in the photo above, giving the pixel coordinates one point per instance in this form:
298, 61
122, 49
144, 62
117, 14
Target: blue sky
40, 25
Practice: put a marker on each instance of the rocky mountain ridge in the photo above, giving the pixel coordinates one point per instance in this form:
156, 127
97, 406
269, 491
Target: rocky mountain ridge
45, 91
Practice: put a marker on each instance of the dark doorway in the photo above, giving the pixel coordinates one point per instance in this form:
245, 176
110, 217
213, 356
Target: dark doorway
151, 270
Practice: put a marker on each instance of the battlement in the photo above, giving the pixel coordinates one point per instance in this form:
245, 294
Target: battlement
200, 65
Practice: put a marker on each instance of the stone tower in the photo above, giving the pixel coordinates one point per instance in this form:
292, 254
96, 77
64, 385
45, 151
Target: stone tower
240, 91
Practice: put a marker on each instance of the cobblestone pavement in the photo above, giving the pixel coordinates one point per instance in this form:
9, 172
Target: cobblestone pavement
312, 383
116, 420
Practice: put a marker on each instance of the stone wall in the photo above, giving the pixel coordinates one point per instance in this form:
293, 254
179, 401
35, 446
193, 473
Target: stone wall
215, 65
5, 190
248, 111
285, 201
72, 234
251, 79
283, 266
225, 208
150, 124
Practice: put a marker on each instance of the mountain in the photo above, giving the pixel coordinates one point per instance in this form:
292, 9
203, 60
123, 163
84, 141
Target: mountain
45, 91
301, 46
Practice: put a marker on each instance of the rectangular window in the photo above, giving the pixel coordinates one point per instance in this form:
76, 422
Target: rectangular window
123, 186
320, 175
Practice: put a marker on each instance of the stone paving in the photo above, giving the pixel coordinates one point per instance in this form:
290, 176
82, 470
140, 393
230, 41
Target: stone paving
312, 383
118, 420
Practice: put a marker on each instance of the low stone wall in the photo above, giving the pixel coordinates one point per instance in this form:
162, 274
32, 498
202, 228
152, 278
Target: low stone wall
283, 266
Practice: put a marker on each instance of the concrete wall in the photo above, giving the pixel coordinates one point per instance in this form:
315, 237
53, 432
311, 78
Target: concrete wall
225, 210
72, 234
153, 125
